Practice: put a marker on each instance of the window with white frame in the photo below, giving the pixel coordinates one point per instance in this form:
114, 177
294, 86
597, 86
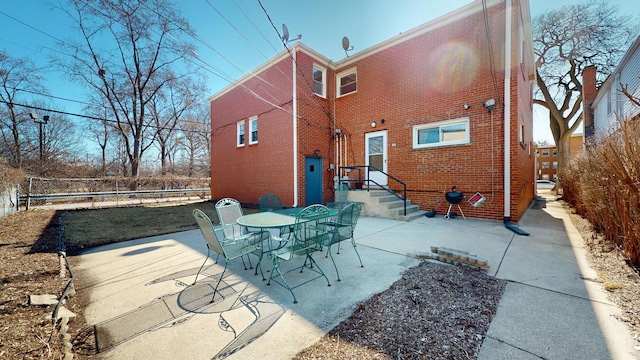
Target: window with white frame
545, 164
555, 164
555, 152
443, 133
240, 133
347, 82
253, 128
319, 80
545, 152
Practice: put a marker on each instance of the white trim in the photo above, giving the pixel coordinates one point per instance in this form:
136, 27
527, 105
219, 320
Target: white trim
339, 76
294, 114
323, 70
463, 120
507, 111
240, 124
252, 120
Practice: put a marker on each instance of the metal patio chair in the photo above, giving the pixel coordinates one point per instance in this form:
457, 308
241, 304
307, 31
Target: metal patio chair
229, 211
341, 229
230, 250
269, 202
308, 236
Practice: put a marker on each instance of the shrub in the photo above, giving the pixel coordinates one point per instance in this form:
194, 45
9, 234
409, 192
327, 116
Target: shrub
603, 185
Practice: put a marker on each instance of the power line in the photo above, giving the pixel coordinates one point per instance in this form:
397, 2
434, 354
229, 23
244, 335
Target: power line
92, 117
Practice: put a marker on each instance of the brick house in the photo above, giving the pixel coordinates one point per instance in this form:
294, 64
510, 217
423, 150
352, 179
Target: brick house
426, 107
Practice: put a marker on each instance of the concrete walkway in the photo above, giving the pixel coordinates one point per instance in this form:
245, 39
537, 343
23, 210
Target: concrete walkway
144, 305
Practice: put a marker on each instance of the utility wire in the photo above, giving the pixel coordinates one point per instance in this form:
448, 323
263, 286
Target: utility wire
92, 117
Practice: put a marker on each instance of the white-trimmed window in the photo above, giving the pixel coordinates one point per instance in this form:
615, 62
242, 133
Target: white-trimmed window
545, 152
545, 164
240, 133
319, 81
443, 133
253, 127
347, 82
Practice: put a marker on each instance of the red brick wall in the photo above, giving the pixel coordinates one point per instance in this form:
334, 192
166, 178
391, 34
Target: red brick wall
248, 172
429, 79
421, 80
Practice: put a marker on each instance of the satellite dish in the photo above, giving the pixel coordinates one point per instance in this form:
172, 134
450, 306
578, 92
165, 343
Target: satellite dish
346, 46
285, 35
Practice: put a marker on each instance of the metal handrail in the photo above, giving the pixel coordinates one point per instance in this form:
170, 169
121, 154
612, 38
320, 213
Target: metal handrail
368, 181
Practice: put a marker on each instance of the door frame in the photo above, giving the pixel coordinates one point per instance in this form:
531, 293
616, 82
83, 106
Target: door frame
313, 188
376, 175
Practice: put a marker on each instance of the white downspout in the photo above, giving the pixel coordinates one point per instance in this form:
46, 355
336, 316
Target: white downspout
295, 130
507, 123
507, 112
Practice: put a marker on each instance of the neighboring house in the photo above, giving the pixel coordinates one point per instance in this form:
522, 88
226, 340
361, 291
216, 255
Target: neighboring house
607, 104
426, 107
547, 158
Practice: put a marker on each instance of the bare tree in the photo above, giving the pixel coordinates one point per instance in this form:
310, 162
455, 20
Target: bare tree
566, 40
196, 140
127, 55
16, 76
168, 109
100, 132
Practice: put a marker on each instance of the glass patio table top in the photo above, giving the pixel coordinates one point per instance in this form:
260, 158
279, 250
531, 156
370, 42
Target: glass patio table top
274, 219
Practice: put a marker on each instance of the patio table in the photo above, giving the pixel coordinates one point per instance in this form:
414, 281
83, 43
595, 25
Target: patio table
274, 219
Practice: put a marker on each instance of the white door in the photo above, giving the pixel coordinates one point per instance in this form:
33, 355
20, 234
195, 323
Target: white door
376, 156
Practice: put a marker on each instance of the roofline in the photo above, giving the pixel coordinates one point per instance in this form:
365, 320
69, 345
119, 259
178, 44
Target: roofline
446, 19
298, 46
450, 17
608, 82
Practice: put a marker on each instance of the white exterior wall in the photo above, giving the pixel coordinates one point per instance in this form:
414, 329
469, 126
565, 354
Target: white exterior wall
627, 73
629, 76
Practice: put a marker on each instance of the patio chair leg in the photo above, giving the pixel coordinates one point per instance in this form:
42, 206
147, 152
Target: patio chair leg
276, 268
319, 270
218, 284
201, 266
259, 265
353, 242
334, 262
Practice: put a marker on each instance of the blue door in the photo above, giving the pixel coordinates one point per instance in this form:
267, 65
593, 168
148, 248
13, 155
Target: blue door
313, 176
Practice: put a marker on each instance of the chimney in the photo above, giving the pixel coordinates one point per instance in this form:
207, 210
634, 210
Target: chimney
589, 93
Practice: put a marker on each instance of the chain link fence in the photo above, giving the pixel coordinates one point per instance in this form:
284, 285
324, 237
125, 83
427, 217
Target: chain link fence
110, 191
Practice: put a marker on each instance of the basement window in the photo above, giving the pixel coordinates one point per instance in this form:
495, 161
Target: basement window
443, 133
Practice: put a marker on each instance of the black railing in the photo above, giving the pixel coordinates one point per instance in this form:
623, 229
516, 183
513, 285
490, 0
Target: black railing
364, 182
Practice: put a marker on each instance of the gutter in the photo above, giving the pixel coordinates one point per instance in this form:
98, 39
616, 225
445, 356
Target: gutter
507, 123
295, 128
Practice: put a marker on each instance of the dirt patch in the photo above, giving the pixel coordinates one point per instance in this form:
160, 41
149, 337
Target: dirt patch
434, 311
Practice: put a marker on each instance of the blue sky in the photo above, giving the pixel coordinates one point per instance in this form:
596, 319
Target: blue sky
28, 28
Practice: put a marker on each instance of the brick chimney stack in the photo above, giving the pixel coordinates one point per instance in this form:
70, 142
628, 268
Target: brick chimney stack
589, 93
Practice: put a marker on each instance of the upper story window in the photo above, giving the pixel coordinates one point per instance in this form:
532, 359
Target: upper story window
347, 82
240, 133
319, 81
253, 127
545, 152
545, 164
555, 152
450, 132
